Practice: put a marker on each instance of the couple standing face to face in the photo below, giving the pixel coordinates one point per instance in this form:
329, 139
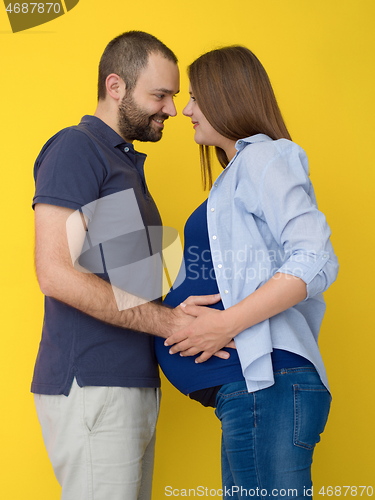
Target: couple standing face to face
231, 96
143, 110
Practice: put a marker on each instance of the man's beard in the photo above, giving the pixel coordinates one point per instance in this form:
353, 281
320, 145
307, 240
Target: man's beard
134, 123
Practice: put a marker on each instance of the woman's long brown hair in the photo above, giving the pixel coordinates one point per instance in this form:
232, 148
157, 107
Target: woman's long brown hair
234, 93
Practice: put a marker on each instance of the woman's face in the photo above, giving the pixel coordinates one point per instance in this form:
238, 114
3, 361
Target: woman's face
205, 134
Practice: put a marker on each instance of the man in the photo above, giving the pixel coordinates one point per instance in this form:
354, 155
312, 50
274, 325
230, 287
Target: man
96, 380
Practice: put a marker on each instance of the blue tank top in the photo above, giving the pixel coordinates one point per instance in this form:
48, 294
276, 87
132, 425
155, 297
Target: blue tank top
183, 372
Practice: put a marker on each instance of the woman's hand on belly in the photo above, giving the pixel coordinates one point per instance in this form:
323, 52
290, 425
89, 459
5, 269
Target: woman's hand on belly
207, 334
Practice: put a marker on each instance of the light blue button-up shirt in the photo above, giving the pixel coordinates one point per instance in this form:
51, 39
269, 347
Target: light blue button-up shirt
263, 219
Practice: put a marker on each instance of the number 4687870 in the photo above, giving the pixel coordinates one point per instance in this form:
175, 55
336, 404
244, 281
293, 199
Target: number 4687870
33, 8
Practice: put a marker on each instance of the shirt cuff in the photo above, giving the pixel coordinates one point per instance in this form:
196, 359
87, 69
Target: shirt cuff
309, 268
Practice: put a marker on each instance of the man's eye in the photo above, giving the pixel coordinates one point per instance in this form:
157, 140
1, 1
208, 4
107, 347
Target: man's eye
160, 96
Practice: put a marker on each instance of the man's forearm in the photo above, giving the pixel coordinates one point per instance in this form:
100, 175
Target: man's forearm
59, 236
95, 297
57, 251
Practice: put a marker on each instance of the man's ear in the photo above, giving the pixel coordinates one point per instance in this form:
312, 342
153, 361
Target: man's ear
115, 86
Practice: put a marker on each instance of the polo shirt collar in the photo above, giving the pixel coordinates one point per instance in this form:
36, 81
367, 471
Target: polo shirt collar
112, 137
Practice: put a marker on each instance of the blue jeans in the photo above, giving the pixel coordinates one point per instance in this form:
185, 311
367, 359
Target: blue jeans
268, 436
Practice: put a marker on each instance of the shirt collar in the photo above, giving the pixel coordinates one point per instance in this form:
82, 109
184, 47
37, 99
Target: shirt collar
242, 143
112, 137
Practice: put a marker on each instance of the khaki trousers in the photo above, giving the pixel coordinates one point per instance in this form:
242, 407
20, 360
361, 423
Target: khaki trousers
101, 440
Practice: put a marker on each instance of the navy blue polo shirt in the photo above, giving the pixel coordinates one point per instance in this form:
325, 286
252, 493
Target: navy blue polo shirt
75, 168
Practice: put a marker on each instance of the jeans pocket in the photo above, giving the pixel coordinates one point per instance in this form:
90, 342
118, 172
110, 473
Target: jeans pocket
96, 401
311, 409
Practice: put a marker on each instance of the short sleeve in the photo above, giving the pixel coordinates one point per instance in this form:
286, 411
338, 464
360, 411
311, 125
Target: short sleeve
68, 171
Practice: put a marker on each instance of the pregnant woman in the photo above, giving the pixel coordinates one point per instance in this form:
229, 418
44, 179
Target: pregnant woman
261, 242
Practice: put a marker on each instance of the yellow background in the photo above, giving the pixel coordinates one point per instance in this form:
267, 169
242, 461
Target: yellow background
320, 57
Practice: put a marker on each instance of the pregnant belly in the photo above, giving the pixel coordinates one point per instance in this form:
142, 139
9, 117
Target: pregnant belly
188, 376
